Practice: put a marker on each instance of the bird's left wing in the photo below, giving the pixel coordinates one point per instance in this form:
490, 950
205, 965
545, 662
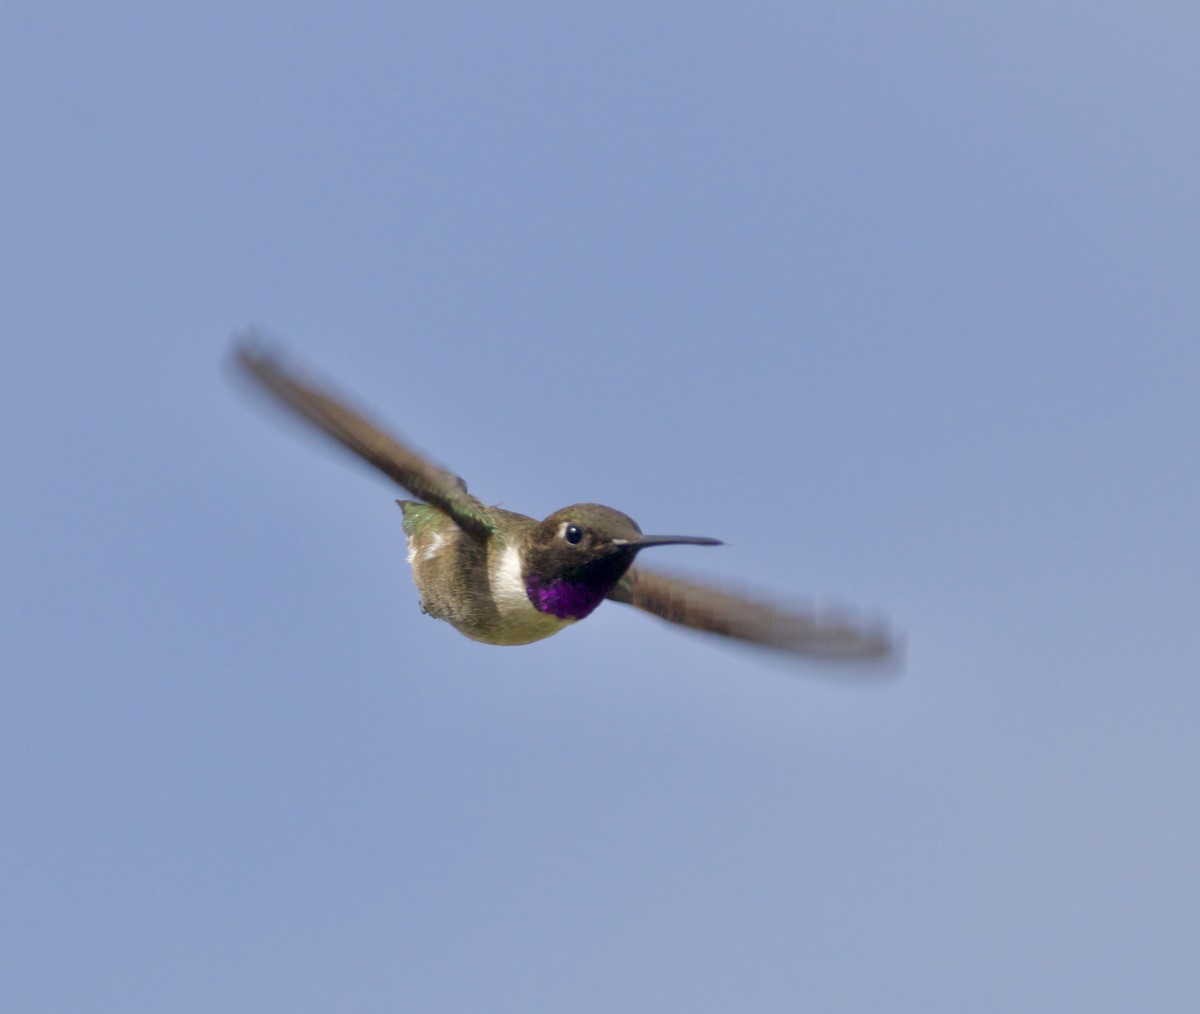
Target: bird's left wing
703, 607
351, 429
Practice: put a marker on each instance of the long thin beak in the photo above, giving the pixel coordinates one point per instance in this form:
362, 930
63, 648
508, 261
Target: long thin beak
642, 541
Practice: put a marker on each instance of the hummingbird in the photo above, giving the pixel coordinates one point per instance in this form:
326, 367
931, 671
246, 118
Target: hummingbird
505, 578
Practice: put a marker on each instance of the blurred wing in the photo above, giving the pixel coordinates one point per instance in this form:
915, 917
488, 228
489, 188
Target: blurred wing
702, 607
424, 480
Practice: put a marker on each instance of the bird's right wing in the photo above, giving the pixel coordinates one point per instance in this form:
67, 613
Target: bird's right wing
422, 478
703, 607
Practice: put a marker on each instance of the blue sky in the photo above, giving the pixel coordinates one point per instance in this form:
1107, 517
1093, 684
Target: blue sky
898, 300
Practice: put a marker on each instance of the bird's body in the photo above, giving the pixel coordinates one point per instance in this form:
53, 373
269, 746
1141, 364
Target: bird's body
504, 578
475, 585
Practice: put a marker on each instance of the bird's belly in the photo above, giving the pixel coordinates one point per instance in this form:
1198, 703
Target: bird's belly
517, 620
497, 622
516, 625
479, 593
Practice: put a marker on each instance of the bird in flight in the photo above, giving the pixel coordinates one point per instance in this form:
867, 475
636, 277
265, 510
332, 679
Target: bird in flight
505, 578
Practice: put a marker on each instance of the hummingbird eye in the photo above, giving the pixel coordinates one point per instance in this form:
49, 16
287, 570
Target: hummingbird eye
573, 534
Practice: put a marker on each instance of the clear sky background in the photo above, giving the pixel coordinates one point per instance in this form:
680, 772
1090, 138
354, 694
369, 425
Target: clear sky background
901, 300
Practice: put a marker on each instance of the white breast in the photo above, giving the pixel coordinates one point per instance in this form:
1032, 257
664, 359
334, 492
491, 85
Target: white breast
520, 616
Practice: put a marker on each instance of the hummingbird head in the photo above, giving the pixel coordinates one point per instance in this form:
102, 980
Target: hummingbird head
576, 555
